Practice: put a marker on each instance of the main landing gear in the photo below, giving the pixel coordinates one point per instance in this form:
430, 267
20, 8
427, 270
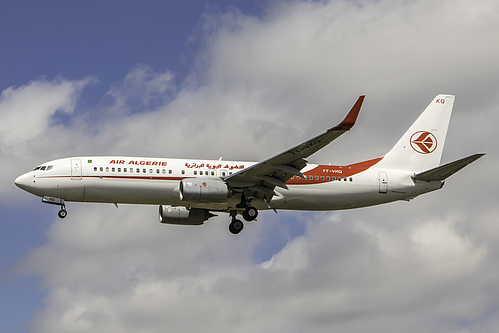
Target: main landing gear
250, 213
236, 226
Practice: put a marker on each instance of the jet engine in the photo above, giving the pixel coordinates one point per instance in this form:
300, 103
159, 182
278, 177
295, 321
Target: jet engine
182, 215
203, 190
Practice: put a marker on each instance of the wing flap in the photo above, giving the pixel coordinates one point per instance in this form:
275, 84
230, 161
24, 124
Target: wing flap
444, 171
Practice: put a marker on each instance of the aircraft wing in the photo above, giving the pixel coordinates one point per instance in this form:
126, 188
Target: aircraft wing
444, 171
264, 176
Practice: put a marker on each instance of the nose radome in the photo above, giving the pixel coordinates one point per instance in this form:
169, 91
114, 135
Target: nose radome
22, 182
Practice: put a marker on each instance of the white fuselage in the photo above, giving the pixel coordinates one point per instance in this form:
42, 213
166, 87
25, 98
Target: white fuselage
155, 181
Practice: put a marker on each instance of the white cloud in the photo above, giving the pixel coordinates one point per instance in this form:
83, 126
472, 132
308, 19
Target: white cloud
428, 265
27, 129
445, 251
142, 89
27, 110
105, 278
293, 258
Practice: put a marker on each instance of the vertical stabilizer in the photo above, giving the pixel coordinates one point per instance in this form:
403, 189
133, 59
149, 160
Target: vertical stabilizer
420, 148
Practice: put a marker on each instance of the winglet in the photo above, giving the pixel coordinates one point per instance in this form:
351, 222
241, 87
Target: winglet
351, 117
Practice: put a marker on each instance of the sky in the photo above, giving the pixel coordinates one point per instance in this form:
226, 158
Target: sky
245, 80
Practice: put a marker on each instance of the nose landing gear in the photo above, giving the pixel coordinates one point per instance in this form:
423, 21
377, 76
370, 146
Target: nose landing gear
63, 212
57, 201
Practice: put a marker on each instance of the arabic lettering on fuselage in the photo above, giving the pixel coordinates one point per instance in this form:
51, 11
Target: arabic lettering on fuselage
187, 165
213, 166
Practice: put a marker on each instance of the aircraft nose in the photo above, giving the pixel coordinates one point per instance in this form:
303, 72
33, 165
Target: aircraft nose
23, 182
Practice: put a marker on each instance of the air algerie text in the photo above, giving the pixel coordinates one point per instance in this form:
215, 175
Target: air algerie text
156, 163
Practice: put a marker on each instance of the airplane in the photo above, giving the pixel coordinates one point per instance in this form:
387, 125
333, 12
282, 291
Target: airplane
189, 191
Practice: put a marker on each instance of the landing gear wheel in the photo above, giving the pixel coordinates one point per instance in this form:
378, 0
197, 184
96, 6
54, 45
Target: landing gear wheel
250, 213
236, 226
62, 213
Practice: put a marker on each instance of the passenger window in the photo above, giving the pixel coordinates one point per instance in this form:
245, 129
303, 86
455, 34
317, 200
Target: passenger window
119, 169
322, 177
213, 173
107, 169
316, 177
351, 179
95, 168
150, 170
138, 170
124, 169
345, 179
131, 170
328, 178
112, 169
144, 170
164, 171
101, 169
170, 171
334, 178
195, 172
183, 172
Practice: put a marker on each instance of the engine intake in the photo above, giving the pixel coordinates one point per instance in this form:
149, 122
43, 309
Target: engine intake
203, 190
182, 215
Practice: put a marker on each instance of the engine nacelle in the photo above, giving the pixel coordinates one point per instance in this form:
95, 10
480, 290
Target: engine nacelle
182, 215
203, 190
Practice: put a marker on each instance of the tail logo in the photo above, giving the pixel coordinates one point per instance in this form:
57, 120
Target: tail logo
423, 142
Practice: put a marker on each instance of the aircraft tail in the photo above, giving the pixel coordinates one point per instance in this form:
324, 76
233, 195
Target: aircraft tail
420, 148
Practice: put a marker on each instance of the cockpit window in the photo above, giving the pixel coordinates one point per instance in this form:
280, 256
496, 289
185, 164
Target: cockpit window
44, 168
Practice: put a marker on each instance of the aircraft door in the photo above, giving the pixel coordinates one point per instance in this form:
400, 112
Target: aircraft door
76, 169
383, 182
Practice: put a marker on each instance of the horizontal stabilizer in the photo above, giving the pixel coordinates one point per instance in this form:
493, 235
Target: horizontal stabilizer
446, 170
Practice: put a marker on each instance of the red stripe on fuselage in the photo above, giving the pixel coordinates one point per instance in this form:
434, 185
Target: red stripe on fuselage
321, 172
